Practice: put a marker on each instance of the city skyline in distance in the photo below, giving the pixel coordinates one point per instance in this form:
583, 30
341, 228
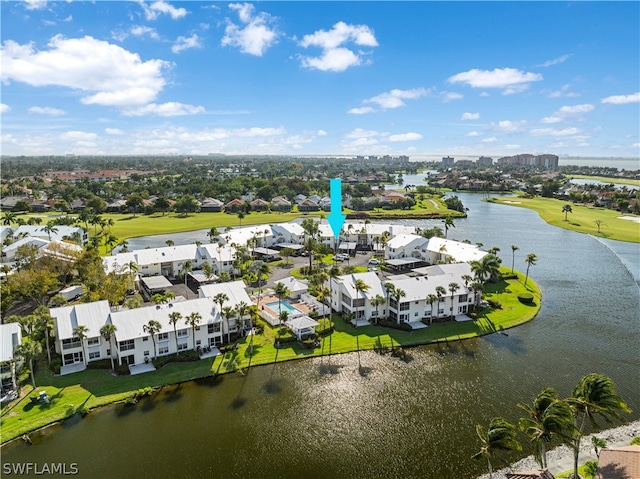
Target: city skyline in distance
420, 79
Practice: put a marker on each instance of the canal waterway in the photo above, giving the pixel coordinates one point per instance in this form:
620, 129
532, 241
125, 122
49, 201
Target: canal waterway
362, 415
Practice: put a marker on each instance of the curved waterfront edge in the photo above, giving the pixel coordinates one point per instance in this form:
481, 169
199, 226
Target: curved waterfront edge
87, 390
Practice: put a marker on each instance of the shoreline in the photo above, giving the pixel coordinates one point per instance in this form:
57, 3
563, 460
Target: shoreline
560, 458
494, 322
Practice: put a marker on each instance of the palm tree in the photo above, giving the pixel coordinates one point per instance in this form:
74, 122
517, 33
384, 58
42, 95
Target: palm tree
174, 317
431, 299
566, 209
334, 272
397, 294
212, 234
81, 333
440, 292
487, 269
281, 291
499, 436
377, 301
109, 242
193, 320
170, 242
359, 286
448, 223
240, 217
49, 228
108, 331
264, 270
207, 269
453, 287
242, 309
227, 314
547, 416
514, 248
476, 287
29, 350
152, 328
44, 321
531, 260
187, 267
220, 299
389, 288
594, 397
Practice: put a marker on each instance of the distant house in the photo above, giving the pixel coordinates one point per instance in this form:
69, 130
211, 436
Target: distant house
307, 205
619, 463
211, 205
259, 205
280, 204
302, 326
10, 339
234, 206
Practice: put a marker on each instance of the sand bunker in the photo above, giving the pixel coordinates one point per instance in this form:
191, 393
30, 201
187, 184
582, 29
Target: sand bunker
512, 202
630, 218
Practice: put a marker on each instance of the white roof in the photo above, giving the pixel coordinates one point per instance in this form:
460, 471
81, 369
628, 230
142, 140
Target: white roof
7, 344
418, 287
129, 323
92, 315
404, 240
370, 278
242, 235
29, 240
168, 254
290, 228
301, 322
63, 230
462, 252
293, 284
225, 253
119, 262
235, 290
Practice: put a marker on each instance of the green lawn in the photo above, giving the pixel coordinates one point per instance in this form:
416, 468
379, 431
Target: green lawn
607, 179
582, 219
93, 388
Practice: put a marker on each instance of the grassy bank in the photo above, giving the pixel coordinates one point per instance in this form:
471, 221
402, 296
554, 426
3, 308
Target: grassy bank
582, 219
80, 392
607, 179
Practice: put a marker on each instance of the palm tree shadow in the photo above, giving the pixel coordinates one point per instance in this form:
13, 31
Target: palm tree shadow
173, 394
512, 343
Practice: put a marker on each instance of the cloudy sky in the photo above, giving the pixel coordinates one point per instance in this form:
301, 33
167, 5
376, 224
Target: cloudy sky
304, 78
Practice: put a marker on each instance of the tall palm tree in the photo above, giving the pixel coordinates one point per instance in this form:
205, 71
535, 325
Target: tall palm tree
389, 288
187, 267
377, 301
360, 286
397, 294
514, 248
531, 260
431, 299
487, 269
193, 320
213, 234
152, 328
547, 416
476, 287
240, 217
81, 333
334, 272
281, 291
220, 299
448, 223
566, 209
242, 309
29, 350
264, 270
227, 314
594, 397
174, 317
440, 292
44, 321
49, 228
108, 331
499, 436
453, 287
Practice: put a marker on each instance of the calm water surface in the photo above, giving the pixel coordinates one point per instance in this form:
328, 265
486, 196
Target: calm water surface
369, 416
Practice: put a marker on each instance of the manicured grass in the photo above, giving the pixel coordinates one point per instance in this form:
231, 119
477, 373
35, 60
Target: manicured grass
93, 388
607, 179
582, 219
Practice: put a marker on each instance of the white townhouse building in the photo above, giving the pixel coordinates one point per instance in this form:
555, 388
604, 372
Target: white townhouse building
135, 346
363, 234
288, 233
59, 233
243, 236
10, 339
167, 261
236, 294
432, 250
220, 257
90, 315
412, 307
406, 246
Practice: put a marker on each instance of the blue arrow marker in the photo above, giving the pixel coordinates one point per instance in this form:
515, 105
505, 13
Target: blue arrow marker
336, 218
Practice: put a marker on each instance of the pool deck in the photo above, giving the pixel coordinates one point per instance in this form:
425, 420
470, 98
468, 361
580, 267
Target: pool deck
271, 315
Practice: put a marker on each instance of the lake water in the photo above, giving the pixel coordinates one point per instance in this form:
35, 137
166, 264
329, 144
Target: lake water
362, 415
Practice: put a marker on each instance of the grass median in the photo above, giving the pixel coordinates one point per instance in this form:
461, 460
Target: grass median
80, 392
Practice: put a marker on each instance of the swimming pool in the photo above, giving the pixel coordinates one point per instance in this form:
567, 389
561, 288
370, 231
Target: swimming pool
286, 306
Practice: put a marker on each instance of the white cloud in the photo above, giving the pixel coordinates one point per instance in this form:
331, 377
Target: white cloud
107, 74
509, 79
321, 133
164, 109
450, 95
470, 116
361, 110
256, 37
512, 147
635, 145
563, 92
395, 97
47, 110
78, 136
335, 57
553, 132
35, 4
555, 61
184, 43
473, 133
114, 131
405, 137
622, 99
573, 111
361, 133
491, 139
508, 125
141, 30
153, 10
4, 108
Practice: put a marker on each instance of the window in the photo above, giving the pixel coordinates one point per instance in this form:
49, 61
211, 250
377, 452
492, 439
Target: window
393, 303
404, 306
163, 337
163, 350
183, 333
415, 314
94, 341
71, 343
463, 298
440, 311
213, 328
108, 352
358, 303
182, 346
346, 299
146, 338
127, 345
94, 355
198, 342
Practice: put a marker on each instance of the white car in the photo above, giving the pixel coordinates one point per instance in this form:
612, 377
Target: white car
374, 262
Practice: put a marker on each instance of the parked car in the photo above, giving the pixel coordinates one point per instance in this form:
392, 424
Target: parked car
374, 262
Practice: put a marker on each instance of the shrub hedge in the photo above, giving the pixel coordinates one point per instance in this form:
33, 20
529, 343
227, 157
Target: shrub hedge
392, 324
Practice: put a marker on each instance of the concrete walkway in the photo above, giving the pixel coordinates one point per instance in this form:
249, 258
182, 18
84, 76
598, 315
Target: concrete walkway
141, 368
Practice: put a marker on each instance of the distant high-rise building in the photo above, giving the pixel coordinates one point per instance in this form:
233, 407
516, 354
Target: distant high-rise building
485, 160
447, 161
526, 159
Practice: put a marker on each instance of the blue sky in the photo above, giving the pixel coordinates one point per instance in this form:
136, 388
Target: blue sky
318, 78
